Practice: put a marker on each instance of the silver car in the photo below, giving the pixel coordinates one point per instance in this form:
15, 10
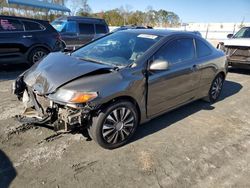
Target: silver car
114, 83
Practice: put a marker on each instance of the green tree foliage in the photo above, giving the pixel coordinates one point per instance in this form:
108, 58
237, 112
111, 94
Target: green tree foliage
136, 18
161, 18
116, 17
113, 17
82, 12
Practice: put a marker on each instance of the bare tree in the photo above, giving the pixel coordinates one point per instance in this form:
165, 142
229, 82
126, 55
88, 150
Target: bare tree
125, 12
77, 5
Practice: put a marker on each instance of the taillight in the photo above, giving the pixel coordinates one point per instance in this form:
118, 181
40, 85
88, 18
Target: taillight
58, 37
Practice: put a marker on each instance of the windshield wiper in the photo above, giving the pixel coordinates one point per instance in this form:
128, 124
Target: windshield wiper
115, 66
91, 60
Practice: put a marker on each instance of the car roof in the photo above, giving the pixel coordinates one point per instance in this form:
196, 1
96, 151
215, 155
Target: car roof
81, 18
23, 18
159, 32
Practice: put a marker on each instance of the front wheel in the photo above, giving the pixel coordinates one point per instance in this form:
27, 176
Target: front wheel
114, 125
216, 87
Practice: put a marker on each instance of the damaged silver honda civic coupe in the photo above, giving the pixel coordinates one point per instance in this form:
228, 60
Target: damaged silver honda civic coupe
114, 83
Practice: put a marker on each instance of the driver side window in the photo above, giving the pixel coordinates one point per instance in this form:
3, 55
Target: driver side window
177, 51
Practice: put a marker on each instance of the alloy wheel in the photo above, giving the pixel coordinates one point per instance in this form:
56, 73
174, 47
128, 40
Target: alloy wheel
216, 87
118, 125
38, 56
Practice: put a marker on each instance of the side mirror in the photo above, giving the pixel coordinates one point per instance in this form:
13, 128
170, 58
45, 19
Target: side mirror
229, 36
159, 65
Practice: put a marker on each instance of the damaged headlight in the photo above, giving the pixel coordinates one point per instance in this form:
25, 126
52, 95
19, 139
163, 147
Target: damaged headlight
69, 96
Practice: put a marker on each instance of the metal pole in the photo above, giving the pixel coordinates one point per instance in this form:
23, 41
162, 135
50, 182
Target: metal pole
234, 29
9, 8
207, 31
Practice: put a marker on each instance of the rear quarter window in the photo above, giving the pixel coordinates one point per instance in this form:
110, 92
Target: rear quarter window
100, 29
202, 49
86, 29
10, 25
32, 26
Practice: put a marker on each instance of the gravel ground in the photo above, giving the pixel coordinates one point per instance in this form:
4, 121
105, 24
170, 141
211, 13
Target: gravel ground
198, 145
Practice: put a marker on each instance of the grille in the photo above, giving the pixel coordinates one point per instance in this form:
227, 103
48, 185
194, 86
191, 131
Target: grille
232, 51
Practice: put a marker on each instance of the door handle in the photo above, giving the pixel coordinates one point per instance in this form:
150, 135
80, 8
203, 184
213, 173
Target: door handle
27, 36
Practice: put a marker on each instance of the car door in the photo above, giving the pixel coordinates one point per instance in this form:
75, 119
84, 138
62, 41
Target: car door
34, 33
70, 33
11, 39
176, 85
208, 70
86, 32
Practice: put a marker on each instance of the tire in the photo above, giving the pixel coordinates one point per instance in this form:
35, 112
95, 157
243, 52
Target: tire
216, 88
37, 54
115, 125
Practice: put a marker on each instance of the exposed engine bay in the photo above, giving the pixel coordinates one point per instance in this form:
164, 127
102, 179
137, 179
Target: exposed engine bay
41, 110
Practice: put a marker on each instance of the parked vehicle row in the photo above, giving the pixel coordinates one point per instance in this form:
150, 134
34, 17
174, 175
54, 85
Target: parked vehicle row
24, 40
27, 40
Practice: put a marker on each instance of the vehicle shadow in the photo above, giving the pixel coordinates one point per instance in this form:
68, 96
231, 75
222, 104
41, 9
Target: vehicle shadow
7, 171
164, 121
10, 72
239, 71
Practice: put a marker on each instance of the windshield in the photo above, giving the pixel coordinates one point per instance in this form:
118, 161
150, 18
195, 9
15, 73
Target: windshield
117, 49
243, 33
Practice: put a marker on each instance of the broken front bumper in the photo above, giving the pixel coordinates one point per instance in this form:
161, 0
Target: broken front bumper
237, 56
40, 109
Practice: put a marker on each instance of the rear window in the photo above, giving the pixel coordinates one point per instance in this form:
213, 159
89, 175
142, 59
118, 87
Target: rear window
32, 26
100, 29
65, 26
86, 29
10, 25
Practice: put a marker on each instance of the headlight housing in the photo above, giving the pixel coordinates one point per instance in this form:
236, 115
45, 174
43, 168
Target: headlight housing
73, 97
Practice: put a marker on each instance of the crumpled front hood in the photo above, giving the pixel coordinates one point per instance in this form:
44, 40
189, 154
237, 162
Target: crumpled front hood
238, 42
56, 70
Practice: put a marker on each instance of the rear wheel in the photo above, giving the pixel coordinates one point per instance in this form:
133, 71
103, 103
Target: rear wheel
37, 54
216, 87
114, 125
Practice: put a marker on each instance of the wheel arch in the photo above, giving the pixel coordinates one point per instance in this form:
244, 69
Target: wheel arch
124, 98
222, 73
37, 46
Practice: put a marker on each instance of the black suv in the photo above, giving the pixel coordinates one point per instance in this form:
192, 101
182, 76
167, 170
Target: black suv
78, 30
26, 40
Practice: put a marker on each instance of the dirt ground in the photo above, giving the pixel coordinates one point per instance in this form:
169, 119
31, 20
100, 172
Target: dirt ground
198, 145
